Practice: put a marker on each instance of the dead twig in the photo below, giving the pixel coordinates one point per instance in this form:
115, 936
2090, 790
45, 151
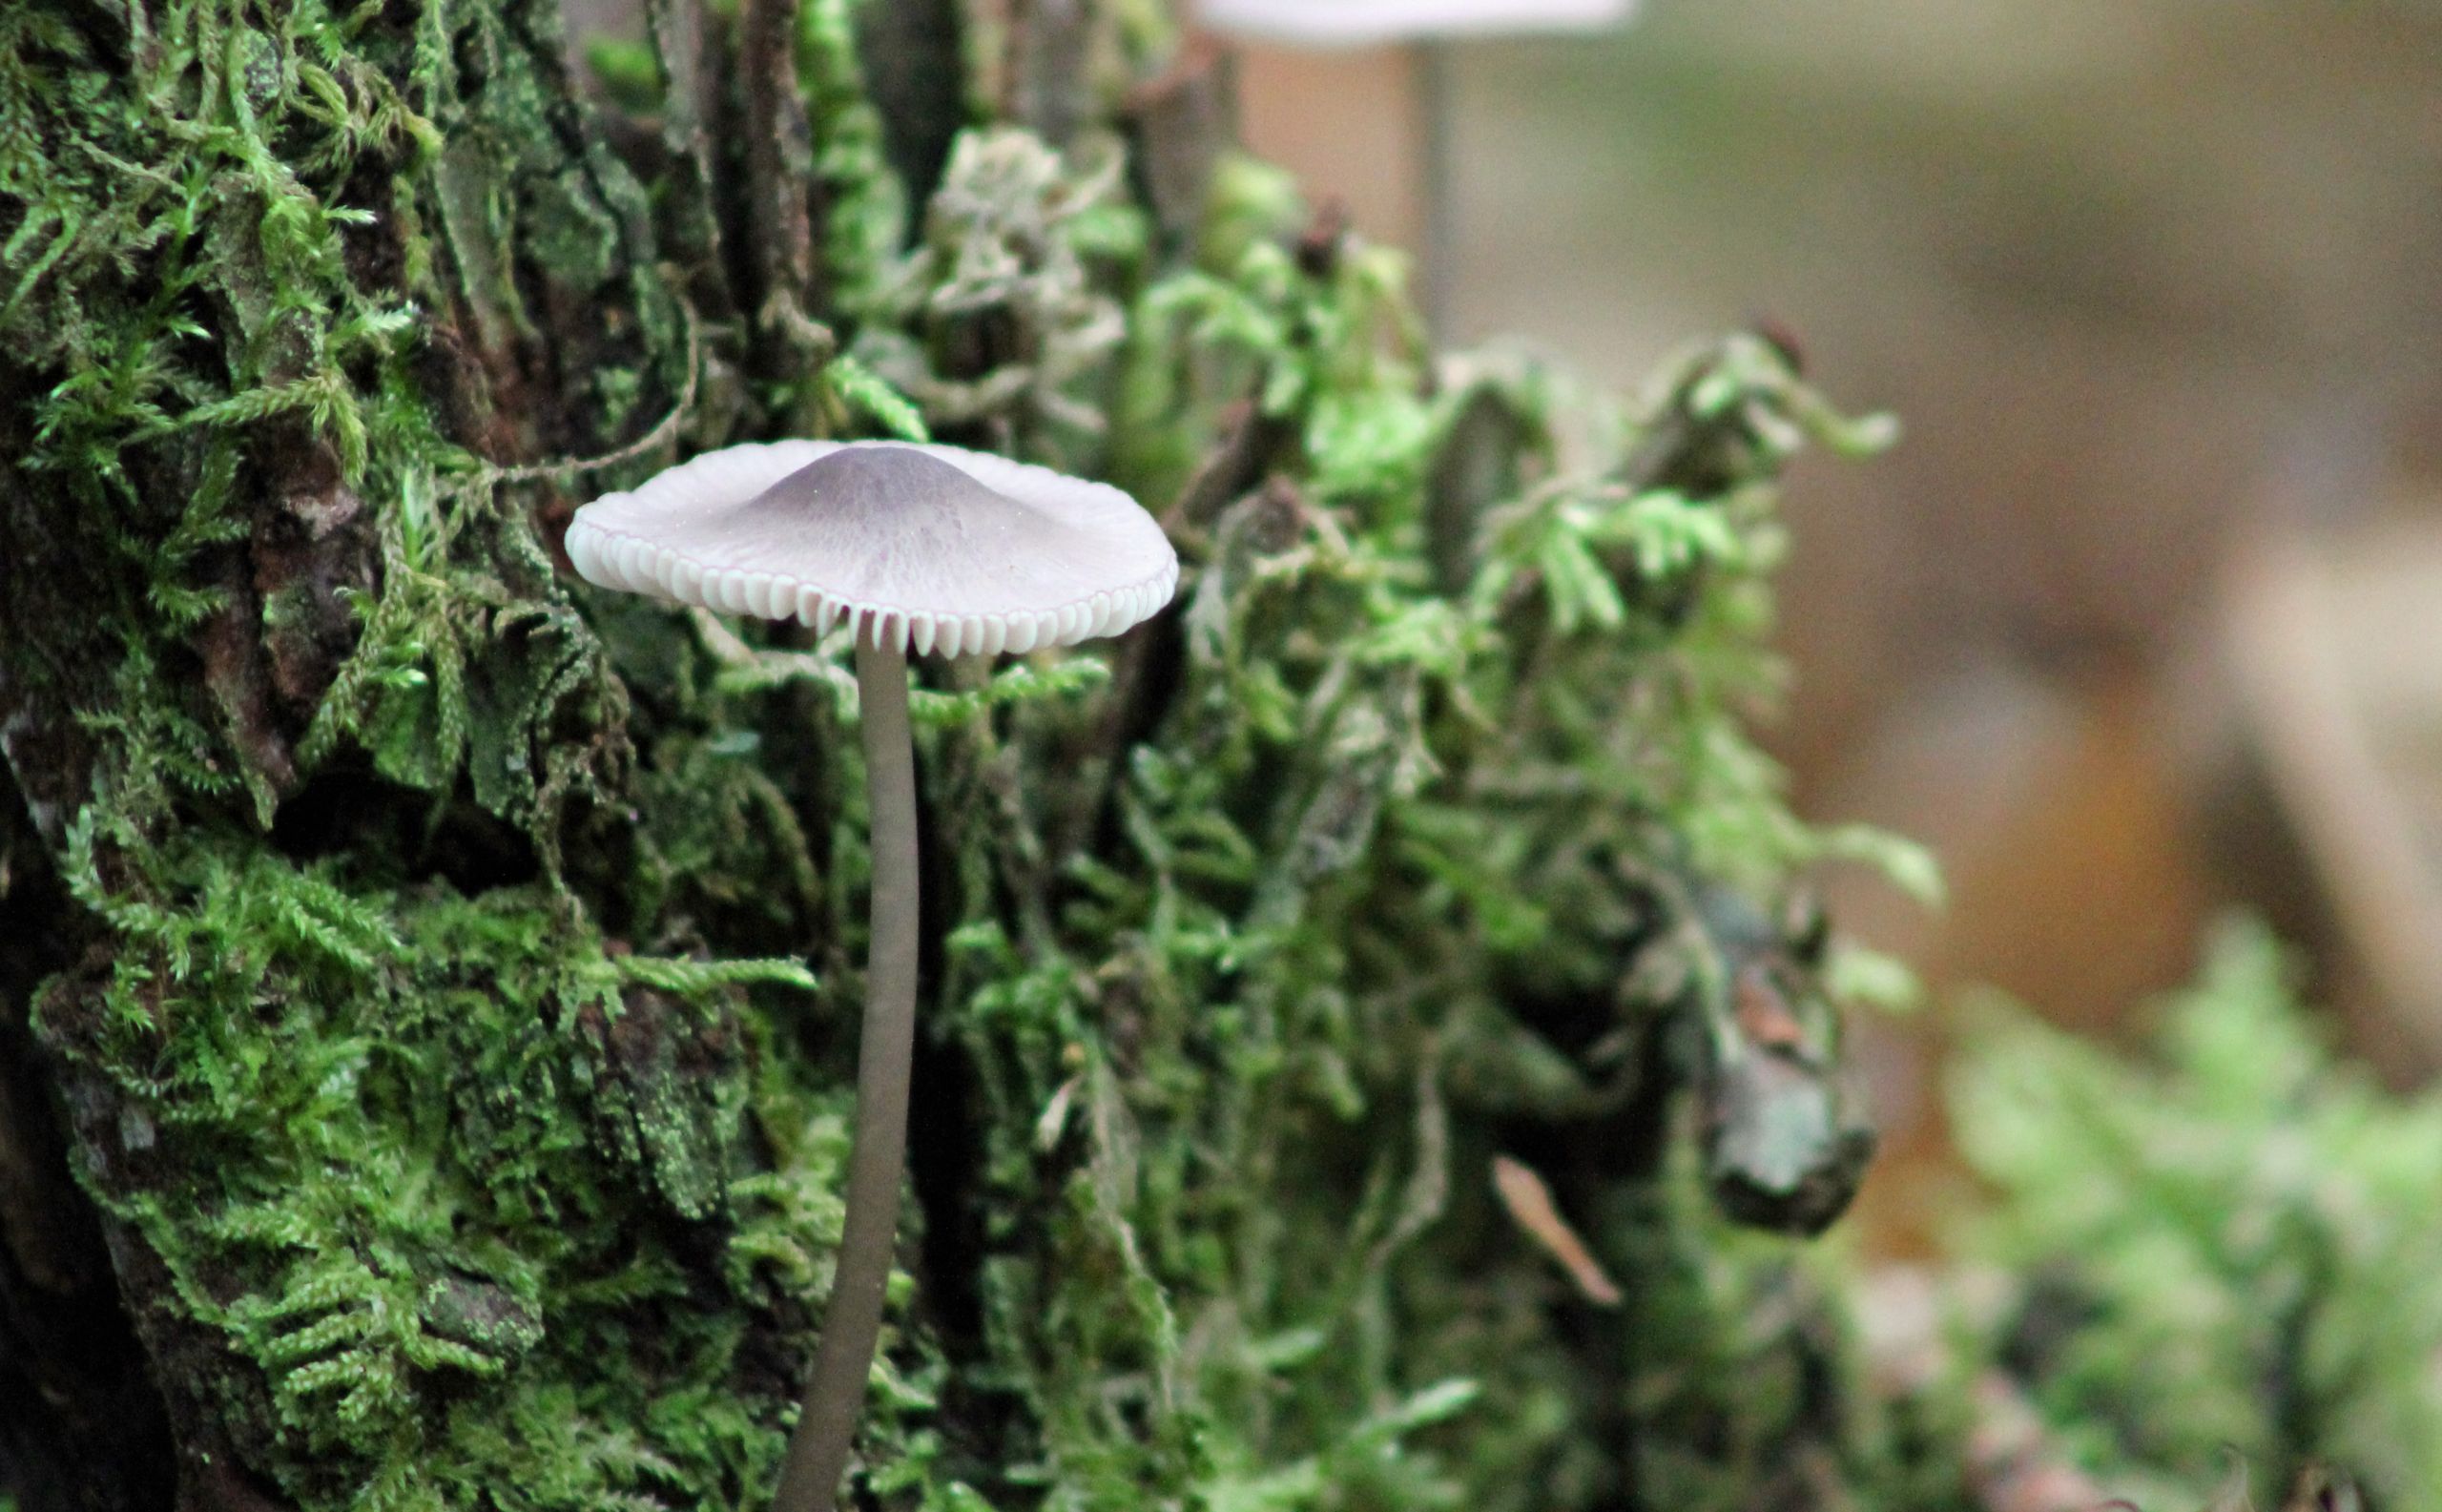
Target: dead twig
1531, 1207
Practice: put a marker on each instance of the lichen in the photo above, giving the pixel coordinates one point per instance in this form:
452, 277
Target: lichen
1000, 323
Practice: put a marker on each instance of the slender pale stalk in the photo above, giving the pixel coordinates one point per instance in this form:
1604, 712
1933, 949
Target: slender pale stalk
1437, 214
835, 1391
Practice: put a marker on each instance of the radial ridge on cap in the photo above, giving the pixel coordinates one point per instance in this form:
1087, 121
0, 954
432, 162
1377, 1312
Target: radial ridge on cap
921, 548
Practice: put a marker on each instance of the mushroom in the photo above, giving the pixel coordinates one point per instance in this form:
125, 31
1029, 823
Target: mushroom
1424, 27
929, 548
1357, 23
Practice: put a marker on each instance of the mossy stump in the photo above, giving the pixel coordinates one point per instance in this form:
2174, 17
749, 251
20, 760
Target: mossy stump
429, 989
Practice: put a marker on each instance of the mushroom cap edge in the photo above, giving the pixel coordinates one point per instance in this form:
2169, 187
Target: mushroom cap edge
606, 550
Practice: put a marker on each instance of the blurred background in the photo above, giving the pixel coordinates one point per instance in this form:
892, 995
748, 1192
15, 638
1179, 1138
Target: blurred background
2142, 619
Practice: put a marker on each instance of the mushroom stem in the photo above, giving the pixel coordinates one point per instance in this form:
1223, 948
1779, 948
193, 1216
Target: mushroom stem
1437, 218
834, 1391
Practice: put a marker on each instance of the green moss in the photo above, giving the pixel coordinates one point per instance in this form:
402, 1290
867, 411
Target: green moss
439, 1172
2230, 1250
436, 1060
864, 212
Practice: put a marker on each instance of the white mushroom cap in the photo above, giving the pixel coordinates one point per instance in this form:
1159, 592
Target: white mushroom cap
1356, 22
922, 547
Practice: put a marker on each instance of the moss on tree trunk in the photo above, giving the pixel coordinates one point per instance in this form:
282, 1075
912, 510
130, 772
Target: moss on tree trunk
429, 989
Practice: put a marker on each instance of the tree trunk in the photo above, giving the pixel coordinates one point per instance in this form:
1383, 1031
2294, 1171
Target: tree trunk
413, 1096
